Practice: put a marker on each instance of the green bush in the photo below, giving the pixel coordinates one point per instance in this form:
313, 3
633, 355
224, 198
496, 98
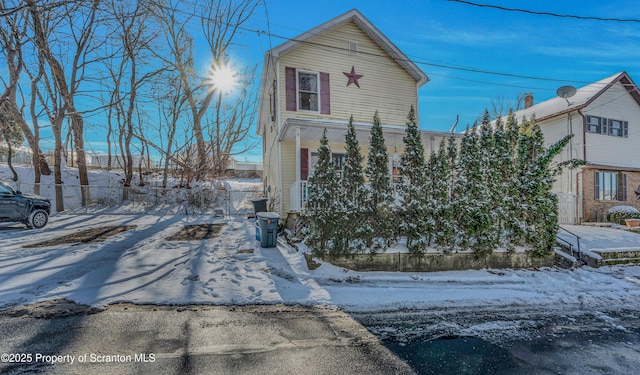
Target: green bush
618, 214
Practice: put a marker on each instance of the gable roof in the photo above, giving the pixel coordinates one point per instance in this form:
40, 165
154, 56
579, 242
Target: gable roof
367, 27
584, 96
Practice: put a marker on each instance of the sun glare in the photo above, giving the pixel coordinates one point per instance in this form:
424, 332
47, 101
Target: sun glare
223, 78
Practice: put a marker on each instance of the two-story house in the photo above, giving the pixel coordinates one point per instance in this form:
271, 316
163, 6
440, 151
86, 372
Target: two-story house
604, 118
316, 81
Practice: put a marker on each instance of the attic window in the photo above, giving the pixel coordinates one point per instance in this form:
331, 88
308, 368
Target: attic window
353, 48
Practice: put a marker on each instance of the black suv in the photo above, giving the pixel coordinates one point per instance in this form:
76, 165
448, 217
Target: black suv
31, 210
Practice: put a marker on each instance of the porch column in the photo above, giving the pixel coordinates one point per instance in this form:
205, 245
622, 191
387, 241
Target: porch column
298, 176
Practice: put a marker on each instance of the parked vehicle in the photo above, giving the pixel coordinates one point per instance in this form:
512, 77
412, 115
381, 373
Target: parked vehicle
31, 210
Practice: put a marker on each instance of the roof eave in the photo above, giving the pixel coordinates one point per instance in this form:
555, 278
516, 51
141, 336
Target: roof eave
368, 28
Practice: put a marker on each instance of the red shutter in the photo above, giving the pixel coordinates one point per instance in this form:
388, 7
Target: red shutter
304, 164
325, 99
290, 82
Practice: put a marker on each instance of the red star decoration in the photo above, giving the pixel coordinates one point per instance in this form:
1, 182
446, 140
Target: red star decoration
353, 77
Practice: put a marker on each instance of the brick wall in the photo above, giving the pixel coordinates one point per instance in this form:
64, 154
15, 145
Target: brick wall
595, 210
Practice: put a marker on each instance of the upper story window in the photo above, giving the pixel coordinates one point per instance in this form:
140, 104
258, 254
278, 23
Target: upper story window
612, 127
307, 91
594, 124
308, 94
615, 128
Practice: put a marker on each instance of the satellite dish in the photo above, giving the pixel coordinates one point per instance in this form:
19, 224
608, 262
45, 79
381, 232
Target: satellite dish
566, 92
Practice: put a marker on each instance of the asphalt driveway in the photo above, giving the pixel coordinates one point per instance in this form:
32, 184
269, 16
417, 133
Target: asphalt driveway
58, 337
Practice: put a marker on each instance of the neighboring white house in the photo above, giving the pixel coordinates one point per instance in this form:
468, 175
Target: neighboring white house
315, 82
604, 118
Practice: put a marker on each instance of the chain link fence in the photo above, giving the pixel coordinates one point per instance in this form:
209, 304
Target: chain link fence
221, 199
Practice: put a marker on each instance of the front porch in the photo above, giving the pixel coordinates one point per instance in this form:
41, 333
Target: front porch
300, 138
298, 196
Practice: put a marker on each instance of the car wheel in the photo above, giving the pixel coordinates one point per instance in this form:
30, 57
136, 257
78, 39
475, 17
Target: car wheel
37, 219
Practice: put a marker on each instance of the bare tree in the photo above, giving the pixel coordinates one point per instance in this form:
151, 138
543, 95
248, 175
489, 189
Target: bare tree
13, 37
222, 21
80, 18
128, 75
171, 108
229, 126
500, 106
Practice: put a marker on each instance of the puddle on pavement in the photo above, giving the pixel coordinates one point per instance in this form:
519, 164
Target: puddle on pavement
458, 355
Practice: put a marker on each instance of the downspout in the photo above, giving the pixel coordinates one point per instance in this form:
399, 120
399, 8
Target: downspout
584, 158
584, 135
577, 195
278, 130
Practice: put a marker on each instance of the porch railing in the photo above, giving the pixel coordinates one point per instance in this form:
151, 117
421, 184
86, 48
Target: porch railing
574, 248
298, 196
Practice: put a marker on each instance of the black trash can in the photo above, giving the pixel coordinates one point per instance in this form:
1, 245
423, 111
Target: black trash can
268, 228
259, 205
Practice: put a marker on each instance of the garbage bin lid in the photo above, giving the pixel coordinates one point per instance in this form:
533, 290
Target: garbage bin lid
259, 199
268, 215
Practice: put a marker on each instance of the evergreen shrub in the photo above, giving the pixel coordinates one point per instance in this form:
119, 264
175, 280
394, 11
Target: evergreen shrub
618, 214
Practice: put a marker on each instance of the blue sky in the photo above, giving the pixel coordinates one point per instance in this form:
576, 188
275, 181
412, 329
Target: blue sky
447, 39
442, 35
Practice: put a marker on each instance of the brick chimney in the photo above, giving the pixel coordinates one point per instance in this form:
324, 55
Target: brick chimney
528, 100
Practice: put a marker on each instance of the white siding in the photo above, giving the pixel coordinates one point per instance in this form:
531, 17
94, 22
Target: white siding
555, 129
616, 103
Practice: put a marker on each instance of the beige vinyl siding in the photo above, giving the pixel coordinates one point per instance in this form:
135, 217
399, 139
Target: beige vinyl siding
385, 85
616, 103
271, 169
289, 159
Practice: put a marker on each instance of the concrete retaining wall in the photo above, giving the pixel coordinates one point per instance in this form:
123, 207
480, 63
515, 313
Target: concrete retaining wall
405, 262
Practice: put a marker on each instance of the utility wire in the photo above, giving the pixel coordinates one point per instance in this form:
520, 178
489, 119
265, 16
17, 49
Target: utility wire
539, 13
437, 65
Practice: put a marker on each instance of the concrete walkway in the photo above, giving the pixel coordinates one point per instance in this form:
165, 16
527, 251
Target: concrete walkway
596, 238
59, 337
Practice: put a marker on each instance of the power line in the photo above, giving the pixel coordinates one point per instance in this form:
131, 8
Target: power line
421, 62
540, 13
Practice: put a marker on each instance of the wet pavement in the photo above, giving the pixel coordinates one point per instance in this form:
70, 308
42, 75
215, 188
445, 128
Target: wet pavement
512, 340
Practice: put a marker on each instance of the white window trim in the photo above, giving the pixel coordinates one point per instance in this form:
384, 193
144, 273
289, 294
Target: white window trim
317, 74
312, 166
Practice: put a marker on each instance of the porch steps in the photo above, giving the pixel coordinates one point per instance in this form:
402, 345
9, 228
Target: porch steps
614, 256
596, 257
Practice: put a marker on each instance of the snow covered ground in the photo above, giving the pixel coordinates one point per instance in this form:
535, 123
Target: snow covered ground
141, 266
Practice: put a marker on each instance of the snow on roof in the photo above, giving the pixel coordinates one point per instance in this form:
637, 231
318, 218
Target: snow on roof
584, 96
